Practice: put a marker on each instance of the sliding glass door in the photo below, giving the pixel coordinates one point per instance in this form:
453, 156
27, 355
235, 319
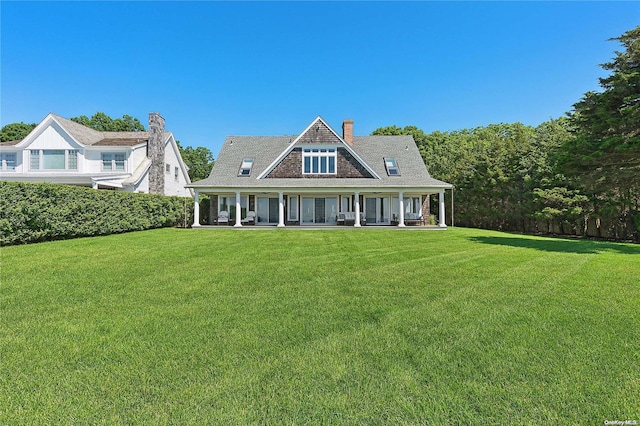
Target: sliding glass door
319, 210
267, 210
377, 210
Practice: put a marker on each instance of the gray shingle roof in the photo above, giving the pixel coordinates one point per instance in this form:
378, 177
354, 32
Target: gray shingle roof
372, 149
82, 134
90, 137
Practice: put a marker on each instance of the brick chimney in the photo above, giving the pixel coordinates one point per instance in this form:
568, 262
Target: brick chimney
347, 132
156, 153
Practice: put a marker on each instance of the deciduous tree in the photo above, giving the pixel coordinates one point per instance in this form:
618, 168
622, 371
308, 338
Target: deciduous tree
16, 131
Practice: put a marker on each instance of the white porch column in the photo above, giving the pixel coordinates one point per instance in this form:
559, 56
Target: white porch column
357, 209
280, 210
442, 224
196, 210
238, 211
401, 220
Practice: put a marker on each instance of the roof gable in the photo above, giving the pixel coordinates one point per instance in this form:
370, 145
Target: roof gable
82, 136
318, 133
75, 135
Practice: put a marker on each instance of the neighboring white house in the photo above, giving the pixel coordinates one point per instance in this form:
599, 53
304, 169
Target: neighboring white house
65, 152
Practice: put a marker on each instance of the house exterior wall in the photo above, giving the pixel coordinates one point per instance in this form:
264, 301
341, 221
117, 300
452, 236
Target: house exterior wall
52, 137
346, 167
93, 159
289, 167
173, 186
143, 185
319, 133
138, 155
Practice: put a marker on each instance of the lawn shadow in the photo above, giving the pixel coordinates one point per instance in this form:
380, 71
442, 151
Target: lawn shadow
559, 245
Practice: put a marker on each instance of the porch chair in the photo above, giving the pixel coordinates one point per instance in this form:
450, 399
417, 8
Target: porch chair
250, 219
223, 218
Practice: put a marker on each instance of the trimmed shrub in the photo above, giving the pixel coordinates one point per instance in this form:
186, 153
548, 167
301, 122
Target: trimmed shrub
34, 212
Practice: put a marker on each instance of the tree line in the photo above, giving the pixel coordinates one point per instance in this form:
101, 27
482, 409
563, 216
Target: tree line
574, 175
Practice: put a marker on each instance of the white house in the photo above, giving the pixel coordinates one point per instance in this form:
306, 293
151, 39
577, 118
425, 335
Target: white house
65, 152
320, 178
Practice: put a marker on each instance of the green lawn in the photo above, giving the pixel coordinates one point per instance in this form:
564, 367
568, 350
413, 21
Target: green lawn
346, 326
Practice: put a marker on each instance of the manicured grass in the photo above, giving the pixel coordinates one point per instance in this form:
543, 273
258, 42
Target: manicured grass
312, 327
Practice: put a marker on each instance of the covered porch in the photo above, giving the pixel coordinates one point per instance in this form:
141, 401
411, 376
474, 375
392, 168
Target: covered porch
320, 208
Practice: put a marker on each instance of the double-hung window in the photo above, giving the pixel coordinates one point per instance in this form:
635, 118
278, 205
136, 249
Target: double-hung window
113, 161
53, 159
319, 161
8, 161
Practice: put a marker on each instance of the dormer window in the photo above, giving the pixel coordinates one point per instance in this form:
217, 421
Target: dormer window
245, 167
392, 166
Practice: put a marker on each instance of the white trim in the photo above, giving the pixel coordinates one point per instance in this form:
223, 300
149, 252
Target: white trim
114, 167
171, 140
196, 209
400, 208
139, 173
293, 143
37, 131
316, 151
441, 210
280, 209
238, 223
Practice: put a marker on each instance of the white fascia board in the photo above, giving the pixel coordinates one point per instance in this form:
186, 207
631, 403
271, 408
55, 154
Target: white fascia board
139, 173
322, 190
171, 140
108, 148
109, 183
110, 177
293, 143
47, 121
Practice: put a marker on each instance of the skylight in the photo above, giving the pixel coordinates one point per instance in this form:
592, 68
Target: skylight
392, 166
245, 167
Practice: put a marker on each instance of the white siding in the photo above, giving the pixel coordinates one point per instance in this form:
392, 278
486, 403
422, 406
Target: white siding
143, 185
53, 137
93, 157
171, 185
138, 155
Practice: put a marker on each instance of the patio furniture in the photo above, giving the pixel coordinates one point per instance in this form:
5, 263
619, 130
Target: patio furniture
250, 219
349, 218
223, 218
413, 219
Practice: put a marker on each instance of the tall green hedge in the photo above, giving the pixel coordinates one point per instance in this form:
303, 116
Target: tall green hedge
34, 212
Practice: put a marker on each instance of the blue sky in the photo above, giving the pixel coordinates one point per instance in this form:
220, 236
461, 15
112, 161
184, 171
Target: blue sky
214, 69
